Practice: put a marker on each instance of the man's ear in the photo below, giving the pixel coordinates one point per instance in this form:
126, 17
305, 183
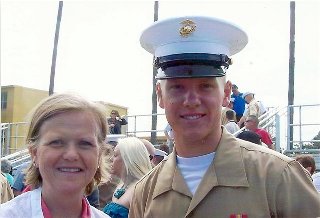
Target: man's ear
159, 95
227, 93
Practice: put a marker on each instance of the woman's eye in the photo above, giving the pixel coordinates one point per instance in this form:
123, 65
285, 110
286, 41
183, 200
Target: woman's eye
86, 143
56, 142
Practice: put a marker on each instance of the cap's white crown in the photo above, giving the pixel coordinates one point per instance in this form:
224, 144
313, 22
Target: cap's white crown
210, 35
160, 153
247, 93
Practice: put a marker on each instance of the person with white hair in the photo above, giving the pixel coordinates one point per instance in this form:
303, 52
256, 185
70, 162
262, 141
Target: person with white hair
130, 162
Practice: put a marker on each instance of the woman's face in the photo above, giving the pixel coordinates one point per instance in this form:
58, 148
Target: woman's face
67, 153
113, 114
118, 164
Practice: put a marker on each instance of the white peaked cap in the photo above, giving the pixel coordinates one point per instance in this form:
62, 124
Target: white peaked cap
160, 153
193, 34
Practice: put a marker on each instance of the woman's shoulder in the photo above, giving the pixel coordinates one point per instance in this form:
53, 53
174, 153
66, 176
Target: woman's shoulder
17, 207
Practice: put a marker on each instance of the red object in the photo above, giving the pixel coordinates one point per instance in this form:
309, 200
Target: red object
85, 213
27, 188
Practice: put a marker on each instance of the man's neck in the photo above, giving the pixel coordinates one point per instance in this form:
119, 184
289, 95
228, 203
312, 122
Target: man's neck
188, 147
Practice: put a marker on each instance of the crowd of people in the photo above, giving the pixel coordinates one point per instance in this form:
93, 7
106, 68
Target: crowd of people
244, 110
208, 173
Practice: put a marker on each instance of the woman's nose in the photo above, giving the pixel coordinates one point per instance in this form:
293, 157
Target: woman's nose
71, 152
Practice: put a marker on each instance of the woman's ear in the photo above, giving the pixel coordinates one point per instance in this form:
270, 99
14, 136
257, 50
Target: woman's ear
227, 93
33, 153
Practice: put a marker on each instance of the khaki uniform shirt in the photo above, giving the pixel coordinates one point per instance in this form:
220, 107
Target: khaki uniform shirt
244, 179
5, 190
252, 109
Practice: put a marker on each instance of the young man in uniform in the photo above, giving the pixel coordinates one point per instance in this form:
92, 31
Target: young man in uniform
210, 173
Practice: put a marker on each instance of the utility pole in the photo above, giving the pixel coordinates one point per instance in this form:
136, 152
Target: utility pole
55, 46
154, 94
291, 72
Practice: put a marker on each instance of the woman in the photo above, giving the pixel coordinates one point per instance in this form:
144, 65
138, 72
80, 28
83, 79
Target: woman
66, 142
115, 122
130, 162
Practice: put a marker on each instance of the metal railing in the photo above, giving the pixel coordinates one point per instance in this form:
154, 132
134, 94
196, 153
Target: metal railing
301, 124
274, 121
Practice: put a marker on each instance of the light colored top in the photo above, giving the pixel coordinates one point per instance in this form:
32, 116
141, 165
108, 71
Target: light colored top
169, 131
28, 204
316, 180
193, 169
232, 127
252, 108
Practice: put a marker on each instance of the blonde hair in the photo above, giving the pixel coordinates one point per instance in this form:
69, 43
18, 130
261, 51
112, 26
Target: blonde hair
135, 157
58, 104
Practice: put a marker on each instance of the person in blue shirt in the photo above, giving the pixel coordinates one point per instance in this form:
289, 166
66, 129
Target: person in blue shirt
239, 102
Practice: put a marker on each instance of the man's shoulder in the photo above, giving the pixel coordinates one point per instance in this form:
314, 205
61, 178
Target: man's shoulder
260, 152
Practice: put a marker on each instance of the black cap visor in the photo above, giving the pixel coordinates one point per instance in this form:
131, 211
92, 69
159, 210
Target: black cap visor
190, 71
191, 65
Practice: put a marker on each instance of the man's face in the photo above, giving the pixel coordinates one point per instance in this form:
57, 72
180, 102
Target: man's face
234, 90
192, 106
250, 124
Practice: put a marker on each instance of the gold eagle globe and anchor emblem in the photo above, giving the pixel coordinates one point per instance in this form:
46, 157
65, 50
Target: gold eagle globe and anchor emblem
188, 27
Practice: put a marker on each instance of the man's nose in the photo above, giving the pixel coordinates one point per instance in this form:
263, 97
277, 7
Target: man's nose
192, 98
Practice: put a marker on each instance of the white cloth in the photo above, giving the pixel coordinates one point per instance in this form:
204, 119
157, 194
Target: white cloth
316, 181
29, 205
193, 169
262, 108
169, 131
232, 126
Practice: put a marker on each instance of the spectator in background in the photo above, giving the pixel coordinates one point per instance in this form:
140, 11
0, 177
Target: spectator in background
165, 148
130, 162
159, 156
239, 102
224, 119
252, 123
6, 169
168, 132
19, 179
250, 137
66, 141
150, 148
253, 107
307, 161
115, 122
231, 126
6, 193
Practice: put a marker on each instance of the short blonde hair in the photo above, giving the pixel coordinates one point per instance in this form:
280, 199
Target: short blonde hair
135, 157
58, 104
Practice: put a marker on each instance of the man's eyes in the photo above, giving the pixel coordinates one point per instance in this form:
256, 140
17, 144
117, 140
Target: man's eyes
176, 86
